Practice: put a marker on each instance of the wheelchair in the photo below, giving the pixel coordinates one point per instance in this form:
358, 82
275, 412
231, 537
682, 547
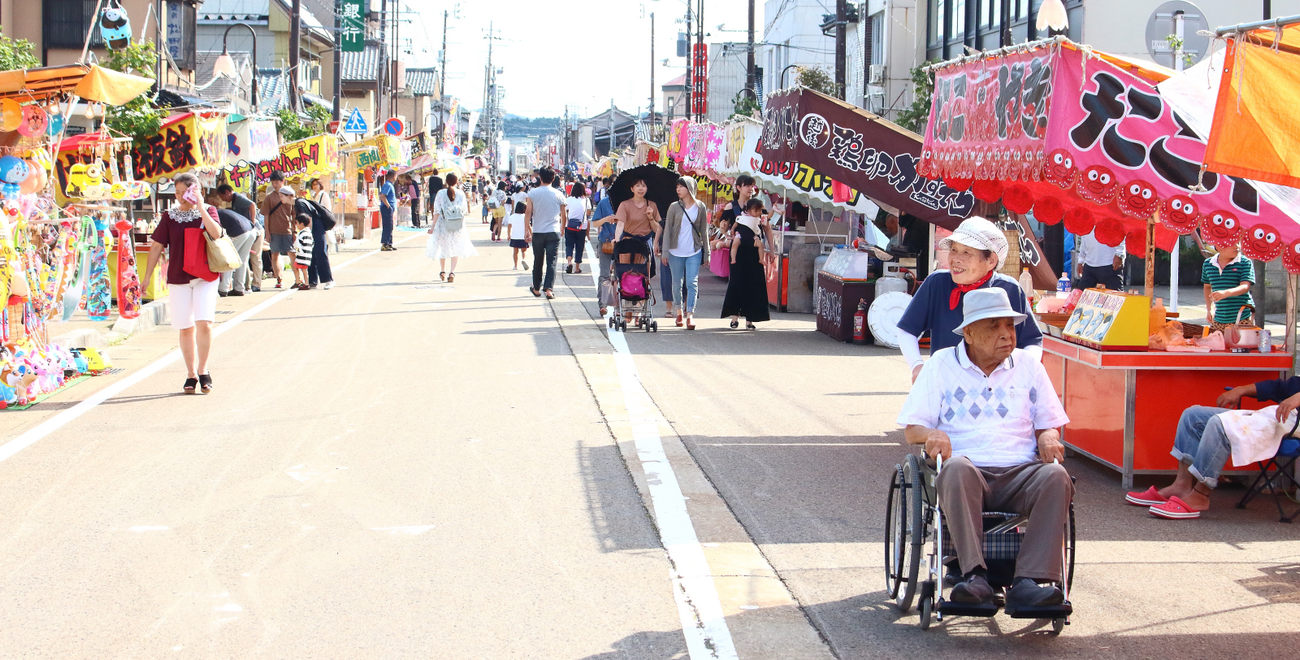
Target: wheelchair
917, 550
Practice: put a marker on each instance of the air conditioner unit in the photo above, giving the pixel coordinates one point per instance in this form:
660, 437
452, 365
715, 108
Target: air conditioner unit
876, 74
875, 101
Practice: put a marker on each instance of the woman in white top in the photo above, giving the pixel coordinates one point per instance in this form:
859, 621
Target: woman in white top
578, 209
448, 238
320, 195
683, 246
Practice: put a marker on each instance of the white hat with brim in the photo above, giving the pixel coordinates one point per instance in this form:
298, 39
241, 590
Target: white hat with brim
286, 190
990, 303
980, 234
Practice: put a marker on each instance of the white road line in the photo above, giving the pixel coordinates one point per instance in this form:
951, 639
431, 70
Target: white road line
703, 623
38, 432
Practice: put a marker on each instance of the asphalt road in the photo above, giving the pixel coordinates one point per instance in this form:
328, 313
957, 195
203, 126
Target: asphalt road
405, 468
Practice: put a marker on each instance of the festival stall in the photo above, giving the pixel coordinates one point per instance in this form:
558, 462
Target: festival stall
1085, 138
363, 161
57, 225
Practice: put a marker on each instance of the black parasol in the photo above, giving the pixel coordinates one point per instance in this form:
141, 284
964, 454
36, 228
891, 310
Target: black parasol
661, 186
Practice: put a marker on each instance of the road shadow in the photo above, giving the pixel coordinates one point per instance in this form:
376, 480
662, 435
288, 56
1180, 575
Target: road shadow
650, 645
618, 516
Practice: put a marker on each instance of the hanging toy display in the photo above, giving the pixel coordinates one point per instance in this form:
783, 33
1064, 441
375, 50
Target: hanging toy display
34, 122
99, 288
85, 240
128, 282
115, 26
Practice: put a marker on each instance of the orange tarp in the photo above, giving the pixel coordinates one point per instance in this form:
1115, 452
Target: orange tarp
90, 82
1256, 129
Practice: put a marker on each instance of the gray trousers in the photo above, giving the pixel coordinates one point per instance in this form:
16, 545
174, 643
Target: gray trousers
1042, 491
243, 244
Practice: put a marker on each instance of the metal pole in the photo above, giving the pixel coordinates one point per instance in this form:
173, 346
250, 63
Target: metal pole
702, 73
295, 54
1174, 257
690, 59
749, 60
338, 61
253, 95
652, 74
611, 127
841, 46
442, 86
397, 57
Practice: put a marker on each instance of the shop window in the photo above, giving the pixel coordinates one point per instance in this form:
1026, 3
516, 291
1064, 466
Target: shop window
68, 21
958, 18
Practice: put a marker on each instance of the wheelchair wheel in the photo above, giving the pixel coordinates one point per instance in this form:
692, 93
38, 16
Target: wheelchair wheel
926, 605
1069, 554
906, 533
1057, 626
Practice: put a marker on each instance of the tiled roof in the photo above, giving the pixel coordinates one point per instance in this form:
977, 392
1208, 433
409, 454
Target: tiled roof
238, 11
362, 66
422, 82
221, 89
679, 81
272, 91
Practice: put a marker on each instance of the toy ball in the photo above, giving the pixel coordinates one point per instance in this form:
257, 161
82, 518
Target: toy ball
33, 182
54, 126
34, 121
11, 115
118, 191
13, 169
11, 190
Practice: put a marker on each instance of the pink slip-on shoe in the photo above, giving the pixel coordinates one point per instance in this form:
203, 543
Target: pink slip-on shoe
1174, 509
1149, 497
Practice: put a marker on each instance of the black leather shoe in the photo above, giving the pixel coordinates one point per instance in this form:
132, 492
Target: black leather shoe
973, 590
1027, 593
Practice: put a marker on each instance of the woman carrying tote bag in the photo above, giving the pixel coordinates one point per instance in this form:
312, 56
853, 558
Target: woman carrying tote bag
448, 238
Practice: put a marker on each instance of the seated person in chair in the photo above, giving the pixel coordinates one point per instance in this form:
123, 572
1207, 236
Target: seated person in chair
992, 414
1202, 448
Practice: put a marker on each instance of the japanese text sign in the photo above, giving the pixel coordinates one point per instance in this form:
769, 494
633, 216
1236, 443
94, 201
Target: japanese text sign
312, 157
353, 24
184, 143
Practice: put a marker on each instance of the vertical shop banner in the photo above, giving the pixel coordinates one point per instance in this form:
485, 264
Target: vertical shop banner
316, 156
353, 24
453, 125
252, 140
700, 80
677, 134
860, 149
185, 143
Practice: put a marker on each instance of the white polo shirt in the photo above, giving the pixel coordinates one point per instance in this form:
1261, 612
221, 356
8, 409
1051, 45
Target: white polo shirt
991, 419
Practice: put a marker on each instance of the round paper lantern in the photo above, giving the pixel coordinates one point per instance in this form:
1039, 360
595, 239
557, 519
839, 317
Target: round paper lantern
957, 183
1049, 210
11, 115
1079, 221
987, 190
34, 121
1109, 232
13, 169
1017, 199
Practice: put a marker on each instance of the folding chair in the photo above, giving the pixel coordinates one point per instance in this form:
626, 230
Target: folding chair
1277, 474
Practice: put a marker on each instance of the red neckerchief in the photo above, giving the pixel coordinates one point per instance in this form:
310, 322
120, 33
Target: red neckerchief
957, 289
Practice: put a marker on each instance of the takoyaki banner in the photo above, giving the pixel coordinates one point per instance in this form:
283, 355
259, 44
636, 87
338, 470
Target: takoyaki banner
304, 159
860, 150
1086, 138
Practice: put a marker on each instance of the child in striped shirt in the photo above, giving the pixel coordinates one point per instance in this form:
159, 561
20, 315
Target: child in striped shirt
302, 247
1227, 278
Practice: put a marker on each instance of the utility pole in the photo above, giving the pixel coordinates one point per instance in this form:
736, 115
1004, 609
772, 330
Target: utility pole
338, 61
295, 48
690, 59
749, 64
397, 57
700, 75
611, 127
442, 86
841, 48
380, 84
652, 72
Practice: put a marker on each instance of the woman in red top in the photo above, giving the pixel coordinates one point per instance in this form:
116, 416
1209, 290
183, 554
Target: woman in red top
193, 297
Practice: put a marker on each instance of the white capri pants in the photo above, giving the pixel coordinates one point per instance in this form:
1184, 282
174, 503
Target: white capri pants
196, 301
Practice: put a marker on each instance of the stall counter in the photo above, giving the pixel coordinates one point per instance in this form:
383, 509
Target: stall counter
1124, 406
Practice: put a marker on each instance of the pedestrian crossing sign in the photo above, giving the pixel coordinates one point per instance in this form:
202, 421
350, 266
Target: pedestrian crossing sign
356, 124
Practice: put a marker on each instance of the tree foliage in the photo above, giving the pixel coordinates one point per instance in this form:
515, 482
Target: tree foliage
17, 54
917, 115
744, 105
293, 127
816, 79
139, 118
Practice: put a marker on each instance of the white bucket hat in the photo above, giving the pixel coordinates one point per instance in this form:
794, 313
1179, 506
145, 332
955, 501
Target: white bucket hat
990, 303
978, 233
286, 190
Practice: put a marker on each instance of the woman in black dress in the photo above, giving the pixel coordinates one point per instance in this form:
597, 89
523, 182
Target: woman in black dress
747, 286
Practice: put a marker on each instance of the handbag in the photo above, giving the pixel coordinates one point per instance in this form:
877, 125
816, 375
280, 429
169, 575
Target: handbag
222, 255
608, 293
195, 258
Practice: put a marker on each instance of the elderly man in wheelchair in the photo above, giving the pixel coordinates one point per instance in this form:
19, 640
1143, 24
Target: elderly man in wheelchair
989, 418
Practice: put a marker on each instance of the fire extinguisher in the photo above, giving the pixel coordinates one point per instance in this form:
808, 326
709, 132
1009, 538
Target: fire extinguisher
860, 323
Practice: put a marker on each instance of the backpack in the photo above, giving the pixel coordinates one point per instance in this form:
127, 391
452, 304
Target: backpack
320, 216
632, 285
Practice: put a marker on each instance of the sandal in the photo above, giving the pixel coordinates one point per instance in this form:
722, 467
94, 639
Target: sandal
735, 324
190, 384
205, 382
750, 326
451, 277
669, 314
1149, 498
1174, 509
550, 295
535, 292
443, 276
679, 320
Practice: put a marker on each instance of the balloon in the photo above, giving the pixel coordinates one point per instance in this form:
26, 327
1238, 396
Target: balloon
33, 181
11, 190
11, 115
34, 121
13, 169
55, 125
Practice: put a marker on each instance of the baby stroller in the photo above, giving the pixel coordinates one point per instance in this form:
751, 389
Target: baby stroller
632, 282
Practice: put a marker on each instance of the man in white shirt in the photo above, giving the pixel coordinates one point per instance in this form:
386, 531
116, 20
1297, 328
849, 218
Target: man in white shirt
1100, 264
542, 220
993, 416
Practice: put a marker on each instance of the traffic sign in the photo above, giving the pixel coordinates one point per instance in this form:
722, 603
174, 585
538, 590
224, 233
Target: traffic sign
356, 123
332, 127
395, 127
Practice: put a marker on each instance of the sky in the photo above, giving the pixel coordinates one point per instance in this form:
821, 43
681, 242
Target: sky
578, 53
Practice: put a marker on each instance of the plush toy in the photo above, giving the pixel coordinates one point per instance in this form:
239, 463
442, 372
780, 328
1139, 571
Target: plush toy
8, 396
18, 374
96, 360
115, 26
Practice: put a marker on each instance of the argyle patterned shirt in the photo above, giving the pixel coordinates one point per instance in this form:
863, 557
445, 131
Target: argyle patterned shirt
990, 419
